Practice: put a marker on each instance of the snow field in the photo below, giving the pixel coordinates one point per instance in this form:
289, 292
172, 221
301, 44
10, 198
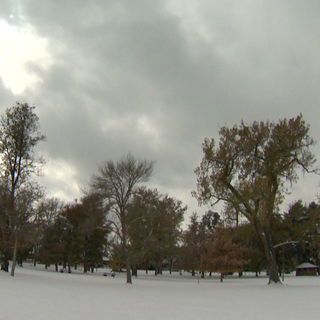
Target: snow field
38, 294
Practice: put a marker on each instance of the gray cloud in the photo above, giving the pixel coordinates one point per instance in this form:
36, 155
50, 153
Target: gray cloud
144, 77
7, 98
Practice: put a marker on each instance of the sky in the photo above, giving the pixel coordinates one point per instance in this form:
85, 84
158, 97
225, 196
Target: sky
155, 78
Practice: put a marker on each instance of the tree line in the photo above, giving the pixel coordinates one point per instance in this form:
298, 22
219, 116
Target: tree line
102, 223
133, 226
212, 244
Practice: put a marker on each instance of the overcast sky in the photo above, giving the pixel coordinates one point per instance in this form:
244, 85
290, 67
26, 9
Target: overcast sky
154, 78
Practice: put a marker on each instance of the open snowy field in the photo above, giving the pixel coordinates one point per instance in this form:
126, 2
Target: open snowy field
38, 294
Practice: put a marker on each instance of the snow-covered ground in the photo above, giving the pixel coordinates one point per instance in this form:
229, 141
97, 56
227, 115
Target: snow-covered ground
39, 294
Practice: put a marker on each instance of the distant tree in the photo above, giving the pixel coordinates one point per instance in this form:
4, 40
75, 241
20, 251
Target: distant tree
116, 183
95, 230
87, 230
47, 212
311, 237
195, 238
246, 236
53, 243
116, 261
302, 223
154, 227
209, 222
222, 255
192, 248
19, 135
249, 170
142, 212
74, 239
75, 233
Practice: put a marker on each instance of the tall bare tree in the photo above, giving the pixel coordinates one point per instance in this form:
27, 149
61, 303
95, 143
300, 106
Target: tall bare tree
116, 183
250, 170
19, 135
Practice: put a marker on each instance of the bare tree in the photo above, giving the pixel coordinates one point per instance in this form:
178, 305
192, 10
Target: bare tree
116, 183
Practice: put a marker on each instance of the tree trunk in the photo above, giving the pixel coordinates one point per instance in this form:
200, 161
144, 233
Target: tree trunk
134, 270
127, 263
15, 250
221, 277
267, 241
129, 278
6, 245
85, 265
5, 261
125, 250
170, 266
272, 265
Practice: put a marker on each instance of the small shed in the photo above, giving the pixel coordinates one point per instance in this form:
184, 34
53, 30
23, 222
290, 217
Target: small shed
306, 269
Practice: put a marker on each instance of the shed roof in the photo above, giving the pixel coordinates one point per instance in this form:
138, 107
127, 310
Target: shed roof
306, 265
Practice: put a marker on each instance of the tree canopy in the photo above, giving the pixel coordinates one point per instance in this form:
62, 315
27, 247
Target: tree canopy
154, 227
19, 135
116, 183
250, 171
